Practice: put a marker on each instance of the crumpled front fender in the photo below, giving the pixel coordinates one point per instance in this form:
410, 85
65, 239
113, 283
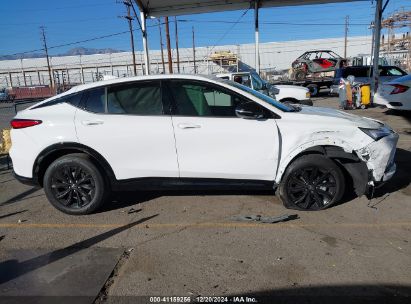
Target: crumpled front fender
379, 157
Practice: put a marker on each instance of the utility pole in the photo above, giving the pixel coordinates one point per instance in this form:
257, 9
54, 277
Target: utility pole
257, 37
130, 26
346, 36
178, 54
377, 32
170, 60
161, 46
194, 53
43, 37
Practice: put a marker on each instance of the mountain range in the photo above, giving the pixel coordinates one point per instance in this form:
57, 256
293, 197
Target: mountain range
72, 52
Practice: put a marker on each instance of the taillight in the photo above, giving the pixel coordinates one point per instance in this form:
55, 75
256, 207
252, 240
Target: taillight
24, 123
398, 88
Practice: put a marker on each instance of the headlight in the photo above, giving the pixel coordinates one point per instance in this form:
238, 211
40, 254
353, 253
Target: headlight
308, 94
377, 134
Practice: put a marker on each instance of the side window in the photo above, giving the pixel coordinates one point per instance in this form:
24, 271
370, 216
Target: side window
96, 100
135, 98
201, 99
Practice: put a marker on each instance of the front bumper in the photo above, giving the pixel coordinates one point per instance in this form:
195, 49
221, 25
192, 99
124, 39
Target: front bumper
389, 172
379, 158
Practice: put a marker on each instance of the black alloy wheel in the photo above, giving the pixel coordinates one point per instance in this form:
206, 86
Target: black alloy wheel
312, 182
308, 186
74, 185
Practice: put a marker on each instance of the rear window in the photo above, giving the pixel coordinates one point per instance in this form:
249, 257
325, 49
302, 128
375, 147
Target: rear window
391, 71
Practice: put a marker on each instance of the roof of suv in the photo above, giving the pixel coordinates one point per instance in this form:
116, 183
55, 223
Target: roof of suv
141, 78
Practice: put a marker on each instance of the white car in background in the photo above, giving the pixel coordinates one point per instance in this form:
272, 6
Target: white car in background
281, 93
395, 94
162, 131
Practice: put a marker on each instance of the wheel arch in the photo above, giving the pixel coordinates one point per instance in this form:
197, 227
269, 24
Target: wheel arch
348, 161
51, 153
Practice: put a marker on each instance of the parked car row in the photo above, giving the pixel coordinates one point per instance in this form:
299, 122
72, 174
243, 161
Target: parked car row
395, 94
364, 74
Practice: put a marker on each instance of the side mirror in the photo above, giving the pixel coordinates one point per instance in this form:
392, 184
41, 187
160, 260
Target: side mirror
250, 110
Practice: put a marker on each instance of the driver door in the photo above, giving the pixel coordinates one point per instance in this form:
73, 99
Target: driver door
212, 142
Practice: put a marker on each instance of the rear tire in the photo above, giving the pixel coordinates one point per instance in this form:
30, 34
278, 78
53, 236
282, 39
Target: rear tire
311, 182
74, 185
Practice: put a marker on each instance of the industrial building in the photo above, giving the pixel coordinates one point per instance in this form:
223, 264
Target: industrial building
87, 68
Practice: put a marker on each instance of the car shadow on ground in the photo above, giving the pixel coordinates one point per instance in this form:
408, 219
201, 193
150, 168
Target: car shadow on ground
404, 114
401, 178
11, 269
363, 293
131, 198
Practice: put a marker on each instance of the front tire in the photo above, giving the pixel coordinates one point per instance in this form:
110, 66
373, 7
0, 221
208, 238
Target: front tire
311, 182
74, 185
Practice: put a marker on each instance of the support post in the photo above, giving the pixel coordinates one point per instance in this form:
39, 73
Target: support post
377, 34
170, 59
145, 42
257, 37
161, 47
176, 36
11, 80
346, 36
194, 53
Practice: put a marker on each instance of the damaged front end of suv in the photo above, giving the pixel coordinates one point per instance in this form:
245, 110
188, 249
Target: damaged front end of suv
362, 148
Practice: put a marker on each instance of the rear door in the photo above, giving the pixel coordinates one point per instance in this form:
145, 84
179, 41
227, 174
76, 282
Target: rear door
128, 125
212, 142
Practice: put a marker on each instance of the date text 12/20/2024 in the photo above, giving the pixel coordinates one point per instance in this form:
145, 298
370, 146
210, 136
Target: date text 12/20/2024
204, 299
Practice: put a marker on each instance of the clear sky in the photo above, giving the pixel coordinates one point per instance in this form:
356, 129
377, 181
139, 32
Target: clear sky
69, 21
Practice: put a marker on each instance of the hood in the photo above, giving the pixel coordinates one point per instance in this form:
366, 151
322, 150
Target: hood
358, 121
294, 87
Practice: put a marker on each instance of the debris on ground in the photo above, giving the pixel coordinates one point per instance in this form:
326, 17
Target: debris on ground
265, 219
132, 210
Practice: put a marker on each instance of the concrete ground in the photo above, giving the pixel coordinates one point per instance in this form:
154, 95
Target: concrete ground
186, 244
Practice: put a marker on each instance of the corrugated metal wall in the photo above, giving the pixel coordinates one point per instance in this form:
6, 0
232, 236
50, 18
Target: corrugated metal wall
88, 68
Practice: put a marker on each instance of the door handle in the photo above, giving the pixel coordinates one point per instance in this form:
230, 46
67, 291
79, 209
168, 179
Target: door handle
92, 122
188, 126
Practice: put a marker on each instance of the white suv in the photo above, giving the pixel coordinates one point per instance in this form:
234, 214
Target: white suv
165, 131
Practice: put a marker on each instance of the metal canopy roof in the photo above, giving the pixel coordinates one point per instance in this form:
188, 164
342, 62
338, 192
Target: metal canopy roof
161, 8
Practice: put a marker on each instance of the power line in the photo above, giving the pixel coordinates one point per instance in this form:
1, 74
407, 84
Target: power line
229, 29
271, 23
83, 41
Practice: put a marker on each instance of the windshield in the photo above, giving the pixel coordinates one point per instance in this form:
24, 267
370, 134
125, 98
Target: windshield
262, 96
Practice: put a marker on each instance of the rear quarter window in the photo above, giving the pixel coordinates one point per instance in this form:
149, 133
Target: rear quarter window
95, 100
73, 99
